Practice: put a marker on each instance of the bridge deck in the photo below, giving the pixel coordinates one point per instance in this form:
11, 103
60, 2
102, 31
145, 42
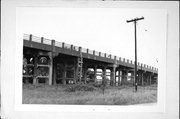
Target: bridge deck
63, 48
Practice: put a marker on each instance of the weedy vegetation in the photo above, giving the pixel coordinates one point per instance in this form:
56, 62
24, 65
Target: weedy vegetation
88, 94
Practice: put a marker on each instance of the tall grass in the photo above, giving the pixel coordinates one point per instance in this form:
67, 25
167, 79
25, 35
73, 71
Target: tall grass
122, 95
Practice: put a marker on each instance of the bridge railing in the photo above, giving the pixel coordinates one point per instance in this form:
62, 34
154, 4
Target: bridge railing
26, 37
120, 59
76, 48
84, 50
36, 39
117, 58
90, 52
96, 53
47, 41
58, 44
112, 57
67, 46
102, 54
108, 55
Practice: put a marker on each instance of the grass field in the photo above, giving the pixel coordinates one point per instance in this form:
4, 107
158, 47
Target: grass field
122, 95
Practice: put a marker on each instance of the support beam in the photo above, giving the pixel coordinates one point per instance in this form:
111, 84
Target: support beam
35, 70
119, 77
74, 74
104, 73
85, 74
133, 77
113, 75
54, 73
95, 73
116, 77
64, 73
122, 77
150, 79
126, 79
142, 78
50, 68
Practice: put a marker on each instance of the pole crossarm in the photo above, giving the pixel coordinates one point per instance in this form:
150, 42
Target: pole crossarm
135, 19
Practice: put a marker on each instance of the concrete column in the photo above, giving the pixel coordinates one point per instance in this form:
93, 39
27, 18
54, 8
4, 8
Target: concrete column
104, 72
118, 79
75, 71
95, 73
119, 76
142, 78
150, 79
113, 75
75, 74
85, 74
54, 74
64, 74
35, 70
132, 77
50, 68
122, 78
127, 75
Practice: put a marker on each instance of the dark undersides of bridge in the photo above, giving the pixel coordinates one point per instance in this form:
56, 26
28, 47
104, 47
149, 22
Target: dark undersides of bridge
49, 67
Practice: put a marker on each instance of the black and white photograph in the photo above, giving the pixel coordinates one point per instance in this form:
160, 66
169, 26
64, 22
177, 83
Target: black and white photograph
99, 56
69, 59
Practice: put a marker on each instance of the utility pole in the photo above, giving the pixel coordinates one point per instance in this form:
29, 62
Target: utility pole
135, 21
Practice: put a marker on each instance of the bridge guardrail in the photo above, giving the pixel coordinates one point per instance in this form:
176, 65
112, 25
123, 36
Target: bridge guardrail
67, 46
108, 55
102, 54
96, 53
84, 50
26, 37
90, 52
47, 41
58, 44
112, 56
76, 48
36, 39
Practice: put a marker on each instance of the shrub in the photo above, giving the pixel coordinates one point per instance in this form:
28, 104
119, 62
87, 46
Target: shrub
80, 87
104, 84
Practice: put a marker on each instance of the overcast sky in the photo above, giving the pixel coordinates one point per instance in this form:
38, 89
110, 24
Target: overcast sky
100, 29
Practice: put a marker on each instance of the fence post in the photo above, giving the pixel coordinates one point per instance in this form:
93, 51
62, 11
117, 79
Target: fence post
71, 47
93, 52
42, 39
53, 45
30, 37
63, 45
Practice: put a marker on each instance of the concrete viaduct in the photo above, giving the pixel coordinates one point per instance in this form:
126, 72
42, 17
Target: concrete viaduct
51, 62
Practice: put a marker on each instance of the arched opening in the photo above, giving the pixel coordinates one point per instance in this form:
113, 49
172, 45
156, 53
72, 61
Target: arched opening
90, 75
28, 68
